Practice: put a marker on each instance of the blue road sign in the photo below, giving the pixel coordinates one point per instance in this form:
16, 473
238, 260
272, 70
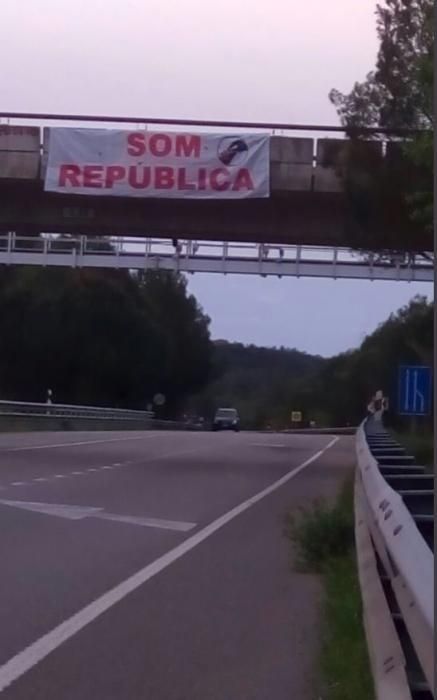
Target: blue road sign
415, 387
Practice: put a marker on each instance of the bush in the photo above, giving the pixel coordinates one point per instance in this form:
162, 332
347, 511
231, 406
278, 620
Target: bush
323, 532
324, 542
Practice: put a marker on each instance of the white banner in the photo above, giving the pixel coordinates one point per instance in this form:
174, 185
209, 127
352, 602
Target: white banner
117, 163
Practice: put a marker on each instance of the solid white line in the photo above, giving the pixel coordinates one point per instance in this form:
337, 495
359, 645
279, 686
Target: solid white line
83, 442
36, 652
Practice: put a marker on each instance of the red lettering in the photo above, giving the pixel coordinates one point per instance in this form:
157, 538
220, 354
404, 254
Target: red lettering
182, 181
243, 180
136, 143
188, 145
114, 173
92, 175
215, 182
69, 175
160, 145
135, 181
164, 178
202, 178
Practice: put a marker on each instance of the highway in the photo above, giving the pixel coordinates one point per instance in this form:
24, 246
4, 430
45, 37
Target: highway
153, 565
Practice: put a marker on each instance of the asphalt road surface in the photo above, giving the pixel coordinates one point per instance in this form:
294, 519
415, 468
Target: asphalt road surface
153, 565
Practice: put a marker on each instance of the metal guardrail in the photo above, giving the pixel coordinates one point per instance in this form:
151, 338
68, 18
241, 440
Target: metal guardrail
405, 564
17, 410
25, 408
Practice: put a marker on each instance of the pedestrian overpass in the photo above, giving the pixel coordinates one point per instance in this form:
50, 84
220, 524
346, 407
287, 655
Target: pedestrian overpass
124, 253
305, 227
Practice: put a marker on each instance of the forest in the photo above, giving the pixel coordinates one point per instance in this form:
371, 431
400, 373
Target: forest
267, 384
114, 338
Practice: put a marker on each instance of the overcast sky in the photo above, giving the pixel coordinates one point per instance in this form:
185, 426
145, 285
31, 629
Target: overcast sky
259, 60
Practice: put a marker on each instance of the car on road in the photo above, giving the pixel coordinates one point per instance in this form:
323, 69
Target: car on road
226, 419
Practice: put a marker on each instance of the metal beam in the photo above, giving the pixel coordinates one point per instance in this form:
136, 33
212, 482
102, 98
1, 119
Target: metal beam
222, 123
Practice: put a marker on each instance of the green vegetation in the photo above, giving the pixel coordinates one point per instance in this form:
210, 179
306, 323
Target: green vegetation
108, 337
323, 539
344, 662
322, 534
103, 337
265, 385
397, 95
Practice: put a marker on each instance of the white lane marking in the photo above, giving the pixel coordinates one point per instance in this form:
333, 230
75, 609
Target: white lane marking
71, 512
45, 645
41, 478
268, 444
112, 466
83, 442
147, 522
60, 510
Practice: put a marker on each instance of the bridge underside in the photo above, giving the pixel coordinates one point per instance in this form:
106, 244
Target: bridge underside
298, 218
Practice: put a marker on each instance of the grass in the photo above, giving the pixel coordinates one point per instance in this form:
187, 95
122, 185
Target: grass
324, 541
344, 659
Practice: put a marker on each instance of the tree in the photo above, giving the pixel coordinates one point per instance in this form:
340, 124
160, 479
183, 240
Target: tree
397, 96
184, 332
266, 384
100, 337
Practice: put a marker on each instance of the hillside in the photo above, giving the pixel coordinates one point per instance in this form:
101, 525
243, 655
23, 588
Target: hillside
264, 384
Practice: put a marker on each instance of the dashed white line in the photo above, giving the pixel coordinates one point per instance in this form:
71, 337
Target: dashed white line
60, 476
45, 645
268, 444
92, 469
41, 478
77, 473
107, 467
83, 442
18, 483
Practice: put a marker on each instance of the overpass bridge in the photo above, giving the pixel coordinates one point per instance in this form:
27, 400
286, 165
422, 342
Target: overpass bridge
307, 206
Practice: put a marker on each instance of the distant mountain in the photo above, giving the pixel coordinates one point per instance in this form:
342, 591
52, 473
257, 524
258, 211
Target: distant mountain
264, 384
267, 384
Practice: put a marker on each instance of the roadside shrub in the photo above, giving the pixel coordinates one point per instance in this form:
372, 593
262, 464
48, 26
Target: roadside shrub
322, 532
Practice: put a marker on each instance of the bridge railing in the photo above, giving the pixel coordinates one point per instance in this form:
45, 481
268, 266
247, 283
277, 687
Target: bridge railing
385, 525
212, 256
